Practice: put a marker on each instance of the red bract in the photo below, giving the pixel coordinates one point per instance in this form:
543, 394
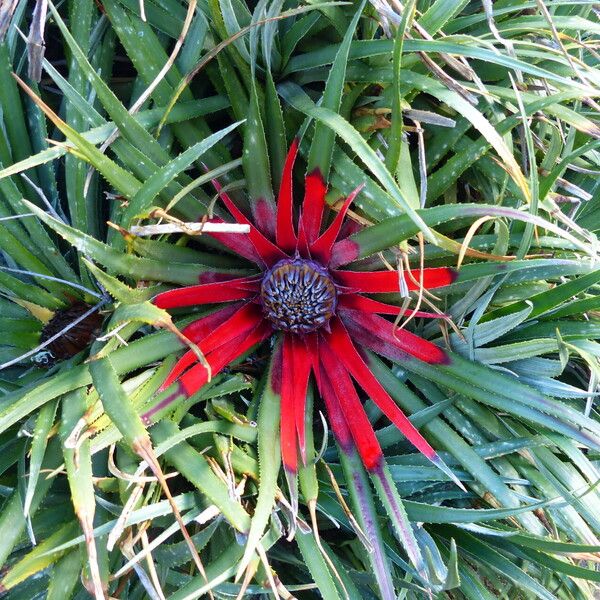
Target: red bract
320, 310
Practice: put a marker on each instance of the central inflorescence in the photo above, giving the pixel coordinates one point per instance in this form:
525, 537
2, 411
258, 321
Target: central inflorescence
298, 295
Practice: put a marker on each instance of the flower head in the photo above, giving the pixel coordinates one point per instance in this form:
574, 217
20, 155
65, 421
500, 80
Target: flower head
322, 311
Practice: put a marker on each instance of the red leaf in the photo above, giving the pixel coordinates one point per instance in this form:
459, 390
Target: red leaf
238, 243
196, 331
263, 213
267, 250
209, 335
350, 227
285, 235
197, 376
375, 282
346, 352
321, 248
334, 411
209, 293
364, 304
287, 425
351, 408
242, 320
314, 202
302, 247
301, 362
344, 252
312, 348
203, 326
295, 371
376, 333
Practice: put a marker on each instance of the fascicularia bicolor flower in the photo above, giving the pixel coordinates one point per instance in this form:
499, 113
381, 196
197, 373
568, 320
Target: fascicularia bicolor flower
323, 312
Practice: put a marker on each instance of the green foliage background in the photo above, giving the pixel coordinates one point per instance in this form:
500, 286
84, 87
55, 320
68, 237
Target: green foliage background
476, 124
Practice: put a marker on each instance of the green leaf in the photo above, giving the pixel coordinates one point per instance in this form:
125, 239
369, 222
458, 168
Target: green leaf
318, 568
116, 403
364, 511
20, 403
12, 520
395, 230
65, 575
145, 195
117, 289
296, 97
256, 157
148, 118
321, 149
42, 556
193, 466
440, 13
269, 456
396, 124
486, 554
78, 463
39, 443
448, 438
125, 122
125, 264
548, 302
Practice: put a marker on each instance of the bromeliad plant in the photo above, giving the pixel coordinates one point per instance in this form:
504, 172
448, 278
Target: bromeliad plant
303, 294
313, 308
469, 126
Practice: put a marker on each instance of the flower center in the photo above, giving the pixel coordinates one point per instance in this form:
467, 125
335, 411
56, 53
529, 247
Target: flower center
298, 295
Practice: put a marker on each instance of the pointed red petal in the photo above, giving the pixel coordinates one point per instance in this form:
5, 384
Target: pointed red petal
200, 328
321, 248
334, 412
314, 202
264, 215
285, 234
362, 303
346, 352
312, 348
351, 408
301, 361
209, 293
344, 252
267, 250
360, 370
376, 333
375, 282
276, 368
302, 247
195, 332
243, 320
197, 376
239, 243
182, 365
295, 371
287, 425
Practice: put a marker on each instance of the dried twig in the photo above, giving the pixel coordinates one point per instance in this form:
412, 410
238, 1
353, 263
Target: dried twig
7, 8
35, 41
189, 228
